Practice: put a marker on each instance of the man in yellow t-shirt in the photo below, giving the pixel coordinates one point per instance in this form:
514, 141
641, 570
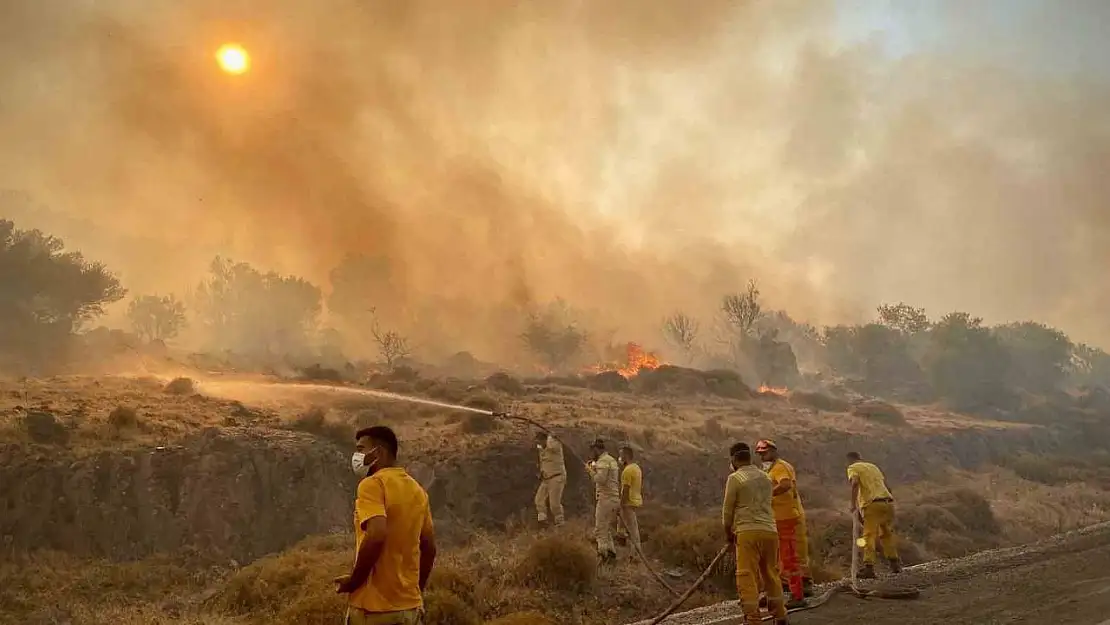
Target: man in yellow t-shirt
873, 505
394, 538
632, 494
749, 524
790, 520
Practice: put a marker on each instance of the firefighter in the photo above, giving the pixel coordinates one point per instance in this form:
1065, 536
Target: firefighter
749, 524
873, 506
632, 494
790, 521
553, 479
605, 473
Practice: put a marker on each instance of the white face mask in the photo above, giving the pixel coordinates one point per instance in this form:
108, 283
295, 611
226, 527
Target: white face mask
358, 460
767, 465
361, 462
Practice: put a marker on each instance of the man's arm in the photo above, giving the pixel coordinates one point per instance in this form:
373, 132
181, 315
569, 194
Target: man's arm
626, 485
427, 550
782, 486
728, 508
370, 508
855, 495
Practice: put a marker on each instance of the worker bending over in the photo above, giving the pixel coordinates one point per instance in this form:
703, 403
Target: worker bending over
553, 479
789, 519
750, 524
873, 505
394, 540
632, 495
605, 473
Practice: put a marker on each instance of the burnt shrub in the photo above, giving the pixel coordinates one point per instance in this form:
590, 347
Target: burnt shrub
180, 386
477, 423
607, 382
43, 427
123, 417
505, 383
316, 421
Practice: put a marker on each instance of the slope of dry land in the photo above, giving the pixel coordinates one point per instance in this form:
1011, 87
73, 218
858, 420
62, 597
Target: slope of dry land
226, 498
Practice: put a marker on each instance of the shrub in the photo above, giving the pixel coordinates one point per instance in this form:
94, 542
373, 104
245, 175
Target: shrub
691, 545
450, 579
44, 428
820, 401
607, 382
477, 423
481, 401
180, 386
522, 618
670, 380
505, 383
558, 562
317, 373
1036, 469
123, 417
315, 421
726, 383
442, 607
879, 412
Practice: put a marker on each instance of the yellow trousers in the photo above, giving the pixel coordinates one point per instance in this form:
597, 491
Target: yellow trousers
757, 567
356, 616
878, 525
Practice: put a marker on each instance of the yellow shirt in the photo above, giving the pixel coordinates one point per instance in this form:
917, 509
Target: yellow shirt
786, 505
632, 478
747, 505
872, 484
394, 583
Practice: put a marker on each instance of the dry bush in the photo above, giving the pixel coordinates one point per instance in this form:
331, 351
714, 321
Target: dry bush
692, 545
969, 507
653, 517
180, 386
123, 417
44, 428
505, 383
879, 412
820, 401
558, 562
317, 373
270, 589
316, 421
475, 423
442, 607
1034, 468
607, 382
726, 383
482, 401
454, 580
451, 391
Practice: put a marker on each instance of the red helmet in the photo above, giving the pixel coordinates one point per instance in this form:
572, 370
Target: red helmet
765, 445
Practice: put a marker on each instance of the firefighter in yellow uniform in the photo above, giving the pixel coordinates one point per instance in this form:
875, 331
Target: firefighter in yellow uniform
605, 473
790, 520
749, 523
553, 479
873, 505
632, 495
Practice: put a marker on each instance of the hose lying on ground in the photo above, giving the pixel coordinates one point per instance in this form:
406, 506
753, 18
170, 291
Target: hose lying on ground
693, 588
635, 547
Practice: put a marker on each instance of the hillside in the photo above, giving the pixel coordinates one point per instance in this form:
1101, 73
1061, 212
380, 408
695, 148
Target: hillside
227, 497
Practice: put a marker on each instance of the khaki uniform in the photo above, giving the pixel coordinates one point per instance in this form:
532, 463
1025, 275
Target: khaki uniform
605, 473
553, 479
747, 511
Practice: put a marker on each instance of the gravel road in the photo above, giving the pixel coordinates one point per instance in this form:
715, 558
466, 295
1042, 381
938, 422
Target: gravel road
1063, 580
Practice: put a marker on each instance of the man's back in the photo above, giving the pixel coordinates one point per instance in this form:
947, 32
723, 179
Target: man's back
787, 505
632, 477
747, 505
872, 483
394, 584
607, 477
551, 458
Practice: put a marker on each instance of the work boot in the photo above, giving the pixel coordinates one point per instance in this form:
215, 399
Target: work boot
895, 566
762, 602
867, 572
794, 603
807, 587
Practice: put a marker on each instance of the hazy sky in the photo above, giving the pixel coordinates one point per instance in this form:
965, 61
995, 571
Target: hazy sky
632, 156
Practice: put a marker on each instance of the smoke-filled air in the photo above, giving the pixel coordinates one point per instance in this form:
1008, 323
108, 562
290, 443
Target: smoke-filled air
445, 171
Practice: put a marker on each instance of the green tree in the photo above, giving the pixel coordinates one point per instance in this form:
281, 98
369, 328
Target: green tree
968, 364
47, 293
904, 318
1040, 356
156, 318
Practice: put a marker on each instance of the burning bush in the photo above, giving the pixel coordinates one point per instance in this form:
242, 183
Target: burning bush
608, 382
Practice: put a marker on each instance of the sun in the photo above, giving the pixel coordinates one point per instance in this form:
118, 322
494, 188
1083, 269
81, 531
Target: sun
233, 58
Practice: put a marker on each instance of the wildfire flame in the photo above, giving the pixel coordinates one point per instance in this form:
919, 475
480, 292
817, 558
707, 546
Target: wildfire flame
774, 390
636, 359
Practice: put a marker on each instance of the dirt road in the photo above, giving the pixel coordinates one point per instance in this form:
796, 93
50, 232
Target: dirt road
1064, 580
